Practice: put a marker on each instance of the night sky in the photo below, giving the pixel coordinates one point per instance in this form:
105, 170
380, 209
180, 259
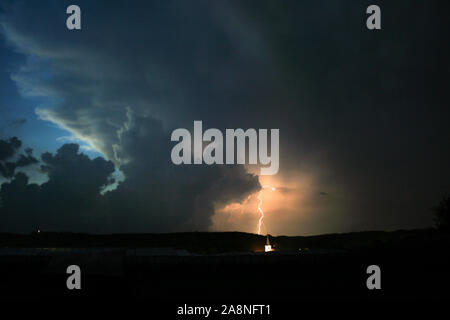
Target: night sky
363, 115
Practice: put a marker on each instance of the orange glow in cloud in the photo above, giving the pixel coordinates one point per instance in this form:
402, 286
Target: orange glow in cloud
271, 209
297, 206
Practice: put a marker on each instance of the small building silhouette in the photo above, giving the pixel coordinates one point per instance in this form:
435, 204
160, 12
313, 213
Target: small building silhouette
268, 247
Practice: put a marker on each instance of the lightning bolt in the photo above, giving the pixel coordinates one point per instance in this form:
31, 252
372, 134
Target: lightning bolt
260, 210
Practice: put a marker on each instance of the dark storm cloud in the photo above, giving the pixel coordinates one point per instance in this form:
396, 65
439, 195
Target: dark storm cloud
121, 99
158, 195
69, 201
8, 151
9, 147
69, 167
363, 113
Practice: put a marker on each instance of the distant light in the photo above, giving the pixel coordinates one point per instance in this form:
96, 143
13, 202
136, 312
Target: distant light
39, 231
268, 248
273, 189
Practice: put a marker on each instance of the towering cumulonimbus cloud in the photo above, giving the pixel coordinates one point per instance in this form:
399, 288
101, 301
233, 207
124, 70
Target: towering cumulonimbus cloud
362, 115
123, 100
166, 196
154, 196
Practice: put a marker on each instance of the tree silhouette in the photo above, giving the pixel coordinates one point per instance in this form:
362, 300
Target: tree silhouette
442, 214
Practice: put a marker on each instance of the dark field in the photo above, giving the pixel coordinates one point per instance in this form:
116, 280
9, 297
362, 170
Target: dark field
220, 267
